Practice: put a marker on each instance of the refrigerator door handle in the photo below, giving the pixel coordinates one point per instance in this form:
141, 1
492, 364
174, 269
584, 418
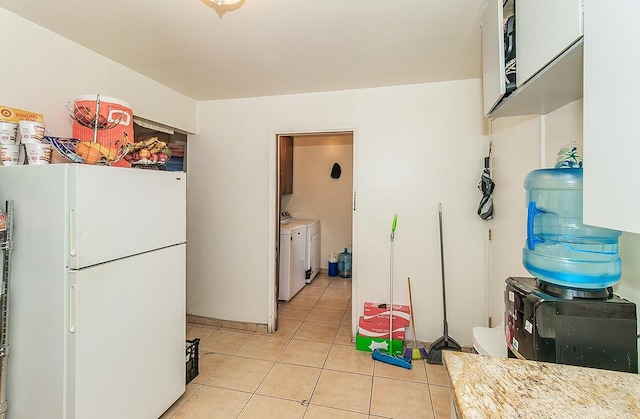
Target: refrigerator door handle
73, 309
73, 229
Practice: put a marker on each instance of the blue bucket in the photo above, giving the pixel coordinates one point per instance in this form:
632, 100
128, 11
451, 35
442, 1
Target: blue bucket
333, 268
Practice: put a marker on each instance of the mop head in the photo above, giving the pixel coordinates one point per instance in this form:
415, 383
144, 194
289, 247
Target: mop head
391, 359
415, 353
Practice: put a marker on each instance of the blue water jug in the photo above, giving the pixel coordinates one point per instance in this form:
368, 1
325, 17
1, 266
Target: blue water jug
344, 264
560, 249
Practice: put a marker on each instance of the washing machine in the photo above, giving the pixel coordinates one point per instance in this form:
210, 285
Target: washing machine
293, 237
312, 246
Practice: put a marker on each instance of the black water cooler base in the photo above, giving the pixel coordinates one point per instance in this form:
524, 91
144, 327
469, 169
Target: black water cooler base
589, 332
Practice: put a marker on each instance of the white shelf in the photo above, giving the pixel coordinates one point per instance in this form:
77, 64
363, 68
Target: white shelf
556, 85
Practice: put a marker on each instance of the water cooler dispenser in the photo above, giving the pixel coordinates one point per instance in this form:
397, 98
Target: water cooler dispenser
587, 332
568, 313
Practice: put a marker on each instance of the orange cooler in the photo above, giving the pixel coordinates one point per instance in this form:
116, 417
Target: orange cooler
113, 111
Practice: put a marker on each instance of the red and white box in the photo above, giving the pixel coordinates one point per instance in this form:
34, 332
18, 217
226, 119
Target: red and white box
379, 329
377, 311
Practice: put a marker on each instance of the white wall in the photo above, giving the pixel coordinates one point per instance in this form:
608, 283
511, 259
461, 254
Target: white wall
42, 72
414, 146
515, 152
561, 127
317, 195
520, 145
629, 285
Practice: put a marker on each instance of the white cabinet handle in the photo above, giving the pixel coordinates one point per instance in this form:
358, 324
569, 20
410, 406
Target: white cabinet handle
73, 308
73, 232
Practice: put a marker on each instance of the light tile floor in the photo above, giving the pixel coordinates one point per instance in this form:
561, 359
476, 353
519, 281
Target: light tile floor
308, 368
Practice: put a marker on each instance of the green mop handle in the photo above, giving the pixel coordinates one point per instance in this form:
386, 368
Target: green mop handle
393, 233
393, 226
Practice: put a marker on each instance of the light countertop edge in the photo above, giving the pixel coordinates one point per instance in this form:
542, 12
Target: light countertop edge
493, 387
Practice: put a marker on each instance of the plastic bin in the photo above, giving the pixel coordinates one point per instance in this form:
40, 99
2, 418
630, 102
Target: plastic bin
192, 359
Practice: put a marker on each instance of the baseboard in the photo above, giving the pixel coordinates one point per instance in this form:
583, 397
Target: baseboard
230, 324
258, 327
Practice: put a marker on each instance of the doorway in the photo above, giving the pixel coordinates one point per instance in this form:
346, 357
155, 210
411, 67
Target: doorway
315, 180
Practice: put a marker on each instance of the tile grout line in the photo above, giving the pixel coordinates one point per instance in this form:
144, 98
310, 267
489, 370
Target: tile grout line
324, 363
276, 361
256, 389
317, 304
306, 409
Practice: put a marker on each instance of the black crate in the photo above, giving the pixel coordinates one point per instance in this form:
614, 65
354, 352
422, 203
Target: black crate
192, 359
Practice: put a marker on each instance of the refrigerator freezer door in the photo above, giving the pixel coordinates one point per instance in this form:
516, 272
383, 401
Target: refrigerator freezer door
116, 212
126, 336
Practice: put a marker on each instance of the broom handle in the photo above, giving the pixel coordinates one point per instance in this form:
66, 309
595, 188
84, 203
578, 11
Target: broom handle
391, 300
444, 294
413, 323
393, 234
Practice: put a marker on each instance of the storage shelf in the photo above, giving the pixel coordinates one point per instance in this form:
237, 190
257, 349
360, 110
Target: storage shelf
556, 85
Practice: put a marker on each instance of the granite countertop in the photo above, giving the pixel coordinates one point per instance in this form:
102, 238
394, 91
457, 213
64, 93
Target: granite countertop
493, 387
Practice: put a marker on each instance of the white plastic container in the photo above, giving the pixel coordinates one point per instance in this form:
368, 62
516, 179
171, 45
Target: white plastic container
8, 132
30, 132
9, 153
38, 153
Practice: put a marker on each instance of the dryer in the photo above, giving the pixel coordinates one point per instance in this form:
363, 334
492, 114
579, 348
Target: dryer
293, 237
312, 251
312, 243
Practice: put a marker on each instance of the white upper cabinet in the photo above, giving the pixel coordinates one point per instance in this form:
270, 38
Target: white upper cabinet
493, 80
611, 124
549, 57
545, 28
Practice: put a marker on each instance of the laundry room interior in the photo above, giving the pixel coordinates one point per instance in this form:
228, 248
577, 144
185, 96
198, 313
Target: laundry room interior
316, 183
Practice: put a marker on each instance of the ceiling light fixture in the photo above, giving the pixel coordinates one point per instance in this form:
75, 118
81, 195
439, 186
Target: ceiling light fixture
223, 6
225, 2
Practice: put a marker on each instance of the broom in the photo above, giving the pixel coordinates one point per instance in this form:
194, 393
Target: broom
391, 358
445, 342
414, 352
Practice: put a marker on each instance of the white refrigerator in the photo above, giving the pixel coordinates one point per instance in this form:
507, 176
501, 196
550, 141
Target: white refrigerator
97, 291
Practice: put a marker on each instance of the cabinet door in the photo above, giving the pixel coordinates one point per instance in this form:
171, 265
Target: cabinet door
286, 165
611, 125
544, 29
493, 78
